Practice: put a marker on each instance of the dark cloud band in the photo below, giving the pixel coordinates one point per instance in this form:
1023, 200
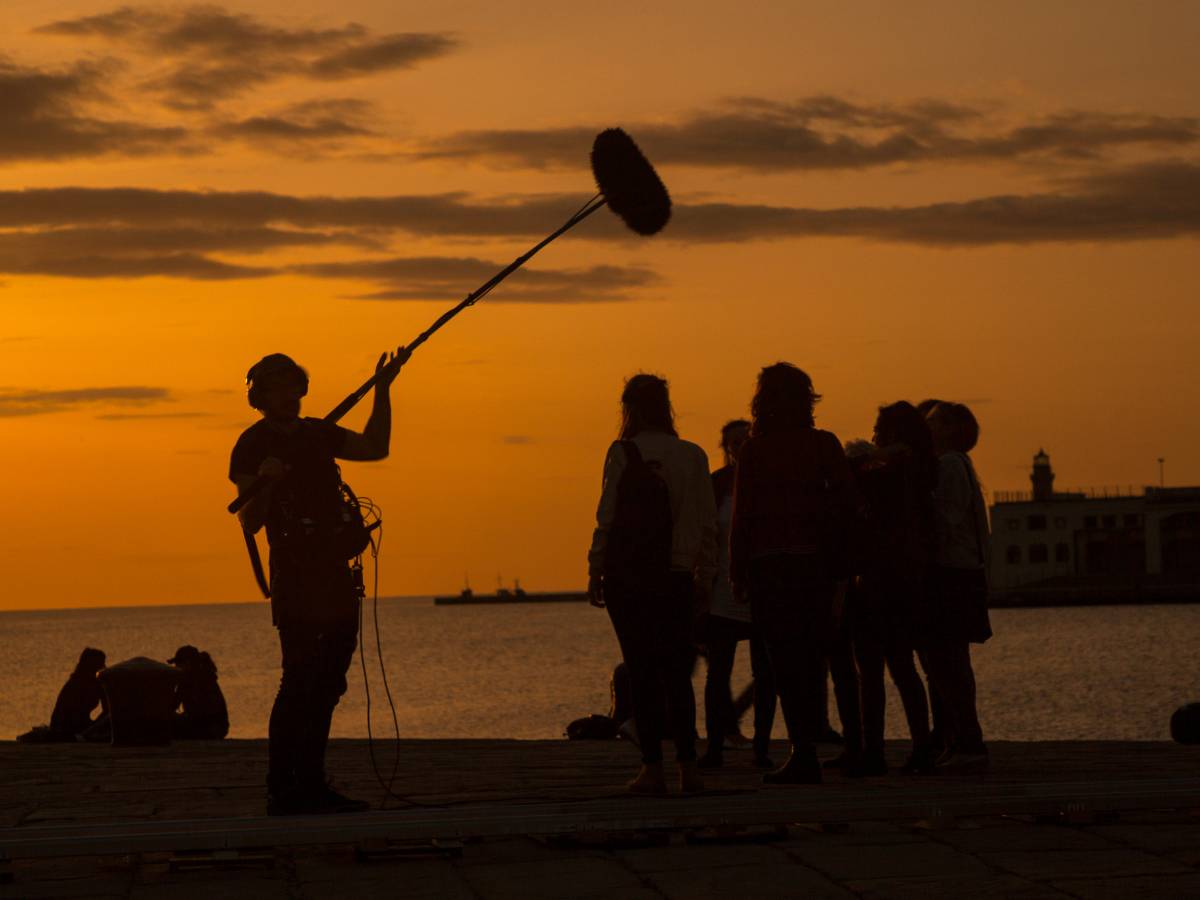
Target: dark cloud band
829, 133
32, 402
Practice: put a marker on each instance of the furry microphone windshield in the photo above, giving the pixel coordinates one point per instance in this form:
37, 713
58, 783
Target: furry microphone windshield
629, 183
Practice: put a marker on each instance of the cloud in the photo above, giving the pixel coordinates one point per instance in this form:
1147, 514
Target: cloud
1152, 201
830, 133
168, 265
329, 121
211, 54
517, 440
452, 278
444, 215
32, 402
124, 417
44, 115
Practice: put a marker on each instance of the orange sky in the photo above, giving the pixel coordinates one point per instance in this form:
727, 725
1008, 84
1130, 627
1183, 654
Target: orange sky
999, 207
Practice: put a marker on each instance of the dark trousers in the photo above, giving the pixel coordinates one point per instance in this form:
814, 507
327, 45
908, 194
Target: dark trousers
846, 685
949, 664
720, 718
873, 649
316, 657
792, 601
653, 623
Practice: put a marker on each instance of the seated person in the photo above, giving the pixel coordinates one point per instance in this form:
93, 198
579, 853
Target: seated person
204, 715
73, 709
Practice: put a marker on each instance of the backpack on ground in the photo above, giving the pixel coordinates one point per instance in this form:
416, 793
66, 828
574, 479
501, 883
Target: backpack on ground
639, 540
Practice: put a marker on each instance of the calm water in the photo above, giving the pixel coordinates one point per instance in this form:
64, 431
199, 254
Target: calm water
524, 671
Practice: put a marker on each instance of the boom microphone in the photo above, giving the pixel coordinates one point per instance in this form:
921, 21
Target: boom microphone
628, 185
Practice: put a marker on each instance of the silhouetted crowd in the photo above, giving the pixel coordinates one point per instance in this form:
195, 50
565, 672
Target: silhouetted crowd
828, 560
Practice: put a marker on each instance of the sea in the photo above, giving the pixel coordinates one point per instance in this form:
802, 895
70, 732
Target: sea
525, 670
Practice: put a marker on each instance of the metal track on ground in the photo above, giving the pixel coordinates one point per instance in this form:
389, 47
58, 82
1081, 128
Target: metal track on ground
779, 806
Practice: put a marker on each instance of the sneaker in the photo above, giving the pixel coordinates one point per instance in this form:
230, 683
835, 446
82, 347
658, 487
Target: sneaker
711, 760
735, 741
650, 780
328, 801
959, 763
290, 802
870, 765
921, 762
799, 769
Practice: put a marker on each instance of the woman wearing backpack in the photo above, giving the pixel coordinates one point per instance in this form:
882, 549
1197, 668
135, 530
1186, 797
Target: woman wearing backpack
653, 548
793, 502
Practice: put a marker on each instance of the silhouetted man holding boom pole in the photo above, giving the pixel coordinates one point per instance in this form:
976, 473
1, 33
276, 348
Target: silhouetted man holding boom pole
315, 593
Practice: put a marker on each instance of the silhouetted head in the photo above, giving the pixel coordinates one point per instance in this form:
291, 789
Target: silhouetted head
733, 436
784, 399
90, 662
646, 406
184, 655
901, 423
954, 427
926, 406
274, 386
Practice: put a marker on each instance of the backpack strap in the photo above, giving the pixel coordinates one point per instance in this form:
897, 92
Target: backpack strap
632, 453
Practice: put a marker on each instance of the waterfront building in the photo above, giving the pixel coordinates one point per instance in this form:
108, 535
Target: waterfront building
1094, 545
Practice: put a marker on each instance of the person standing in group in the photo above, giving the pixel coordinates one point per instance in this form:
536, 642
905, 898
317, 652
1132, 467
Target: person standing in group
958, 593
727, 623
793, 507
888, 616
315, 596
653, 551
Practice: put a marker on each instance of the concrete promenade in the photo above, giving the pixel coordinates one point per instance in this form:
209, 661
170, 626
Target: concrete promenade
497, 819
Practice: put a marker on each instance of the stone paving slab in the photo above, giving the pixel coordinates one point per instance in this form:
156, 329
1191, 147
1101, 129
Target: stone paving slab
749, 882
844, 863
553, 878
1160, 886
1109, 863
991, 887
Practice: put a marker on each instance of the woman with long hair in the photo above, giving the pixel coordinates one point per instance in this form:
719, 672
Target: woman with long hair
654, 545
897, 479
794, 500
729, 622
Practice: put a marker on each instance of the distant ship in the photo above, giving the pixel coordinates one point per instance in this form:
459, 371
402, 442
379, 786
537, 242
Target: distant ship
504, 595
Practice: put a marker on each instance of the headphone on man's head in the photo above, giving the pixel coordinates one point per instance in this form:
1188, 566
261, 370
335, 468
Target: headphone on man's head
269, 365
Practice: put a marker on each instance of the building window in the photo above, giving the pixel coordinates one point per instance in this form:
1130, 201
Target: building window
1132, 520
1060, 522
1062, 553
1014, 555
1037, 523
1014, 524
1037, 553
1110, 521
1089, 521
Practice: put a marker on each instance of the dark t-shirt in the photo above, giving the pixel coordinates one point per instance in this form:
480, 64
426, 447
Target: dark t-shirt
304, 580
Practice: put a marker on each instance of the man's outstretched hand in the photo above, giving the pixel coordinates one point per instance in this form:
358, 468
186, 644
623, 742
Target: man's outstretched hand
389, 365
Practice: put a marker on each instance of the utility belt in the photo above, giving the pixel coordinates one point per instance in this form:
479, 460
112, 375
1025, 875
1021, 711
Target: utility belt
303, 540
